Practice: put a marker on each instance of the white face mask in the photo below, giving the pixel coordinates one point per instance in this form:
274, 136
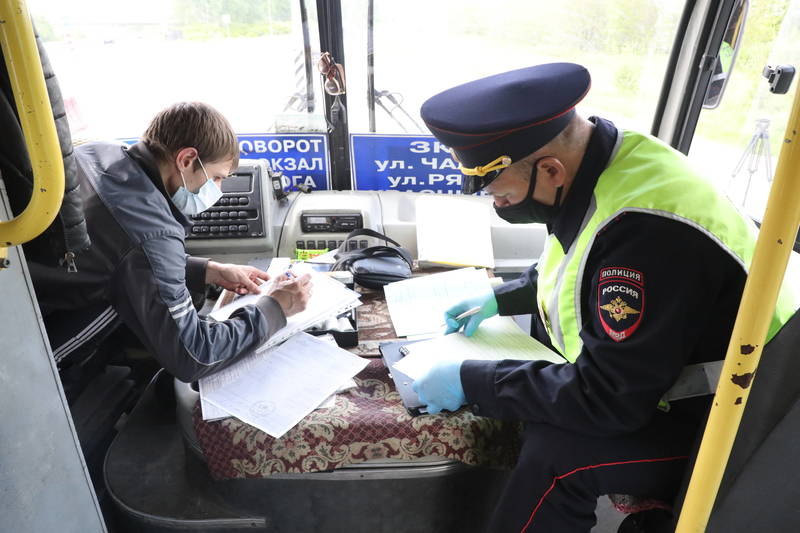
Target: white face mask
191, 203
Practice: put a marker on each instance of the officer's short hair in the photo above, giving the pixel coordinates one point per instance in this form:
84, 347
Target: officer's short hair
196, 125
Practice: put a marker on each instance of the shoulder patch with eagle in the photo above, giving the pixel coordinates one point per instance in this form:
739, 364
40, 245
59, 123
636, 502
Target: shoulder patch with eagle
620, 301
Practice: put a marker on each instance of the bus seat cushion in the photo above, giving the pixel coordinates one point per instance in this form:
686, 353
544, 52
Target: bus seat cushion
367, 423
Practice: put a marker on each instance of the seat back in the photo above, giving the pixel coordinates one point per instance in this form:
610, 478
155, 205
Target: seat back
68, 231
758, 490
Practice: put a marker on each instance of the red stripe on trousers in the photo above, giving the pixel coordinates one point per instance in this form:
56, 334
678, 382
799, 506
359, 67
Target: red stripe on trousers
553, 484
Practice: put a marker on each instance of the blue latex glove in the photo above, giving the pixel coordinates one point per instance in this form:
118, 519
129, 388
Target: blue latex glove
441, 387
486, 302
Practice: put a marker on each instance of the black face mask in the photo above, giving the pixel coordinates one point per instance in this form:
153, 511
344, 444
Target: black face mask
530, 210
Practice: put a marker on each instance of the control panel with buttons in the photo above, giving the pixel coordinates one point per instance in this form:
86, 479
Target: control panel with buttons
238, 214
313, 244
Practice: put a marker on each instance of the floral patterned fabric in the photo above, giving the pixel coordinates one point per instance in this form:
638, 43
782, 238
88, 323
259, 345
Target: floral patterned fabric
367, 423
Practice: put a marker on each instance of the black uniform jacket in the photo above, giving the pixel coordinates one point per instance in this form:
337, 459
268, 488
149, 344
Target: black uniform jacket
137, 270
692, 289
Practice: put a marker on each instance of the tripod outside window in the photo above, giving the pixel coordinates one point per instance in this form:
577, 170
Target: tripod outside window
757, 150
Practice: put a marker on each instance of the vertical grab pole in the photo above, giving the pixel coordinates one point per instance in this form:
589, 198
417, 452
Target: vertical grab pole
771, 256
371, 64
36, 117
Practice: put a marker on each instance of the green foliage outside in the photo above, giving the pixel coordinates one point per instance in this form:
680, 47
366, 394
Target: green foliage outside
45, 29
624, 43
626, 40
204, 31
746, 97
568, 27
240, 11
209, 19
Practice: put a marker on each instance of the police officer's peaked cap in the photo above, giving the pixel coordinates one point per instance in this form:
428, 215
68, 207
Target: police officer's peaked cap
506, 116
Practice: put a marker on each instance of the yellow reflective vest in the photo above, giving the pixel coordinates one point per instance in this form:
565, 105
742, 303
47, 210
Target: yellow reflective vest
644, 176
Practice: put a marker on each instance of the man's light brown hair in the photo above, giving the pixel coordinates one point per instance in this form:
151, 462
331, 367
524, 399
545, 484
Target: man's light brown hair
196, 125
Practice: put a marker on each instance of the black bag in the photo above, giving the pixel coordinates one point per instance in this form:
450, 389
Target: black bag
375, 266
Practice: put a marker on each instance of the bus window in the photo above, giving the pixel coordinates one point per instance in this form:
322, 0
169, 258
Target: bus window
118, 67
421, 47
738, 143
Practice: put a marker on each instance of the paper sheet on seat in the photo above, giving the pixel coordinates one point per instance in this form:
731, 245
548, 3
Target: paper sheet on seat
210, 412
495, 339
274, 390
330, 401
329, 299
417, 305
466, 241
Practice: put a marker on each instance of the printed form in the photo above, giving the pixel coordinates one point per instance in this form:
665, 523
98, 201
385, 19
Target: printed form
417, 305
329, 299
497, 338
273, 391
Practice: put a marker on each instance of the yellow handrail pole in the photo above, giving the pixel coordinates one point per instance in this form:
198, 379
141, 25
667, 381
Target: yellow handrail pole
36, 117
775, 241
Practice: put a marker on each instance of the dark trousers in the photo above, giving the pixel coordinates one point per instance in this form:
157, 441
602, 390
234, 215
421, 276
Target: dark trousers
560, 474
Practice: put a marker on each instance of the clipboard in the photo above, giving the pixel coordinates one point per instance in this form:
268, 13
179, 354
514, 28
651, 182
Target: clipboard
391, 353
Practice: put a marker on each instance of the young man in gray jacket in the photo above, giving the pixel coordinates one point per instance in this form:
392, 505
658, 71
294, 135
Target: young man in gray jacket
137, 201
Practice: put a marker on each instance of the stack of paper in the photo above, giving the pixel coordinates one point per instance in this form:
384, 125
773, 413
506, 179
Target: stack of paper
497, 338
273, 391
329, 299
454, 231
417, 305
300, 361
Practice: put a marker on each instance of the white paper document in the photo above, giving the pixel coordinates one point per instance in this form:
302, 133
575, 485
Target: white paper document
471, 242
329, 299
496, 338
274, 390
209, 411
417, 305
278, 266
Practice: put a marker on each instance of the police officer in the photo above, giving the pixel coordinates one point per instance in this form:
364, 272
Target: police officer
641, 274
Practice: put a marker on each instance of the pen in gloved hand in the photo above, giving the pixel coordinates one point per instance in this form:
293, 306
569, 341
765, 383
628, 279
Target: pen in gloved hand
465, 314
468, 313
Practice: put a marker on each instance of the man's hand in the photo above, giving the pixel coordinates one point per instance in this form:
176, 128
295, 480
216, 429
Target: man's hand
487, 304
240, 279
292, 294
441, 387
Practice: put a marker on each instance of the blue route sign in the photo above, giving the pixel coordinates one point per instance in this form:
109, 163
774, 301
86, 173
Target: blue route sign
403, 163
302, 158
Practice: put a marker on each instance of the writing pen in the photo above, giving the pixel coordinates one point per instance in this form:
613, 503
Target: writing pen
469, 312
465, 314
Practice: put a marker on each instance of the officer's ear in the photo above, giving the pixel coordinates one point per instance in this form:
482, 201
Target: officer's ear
551, 171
